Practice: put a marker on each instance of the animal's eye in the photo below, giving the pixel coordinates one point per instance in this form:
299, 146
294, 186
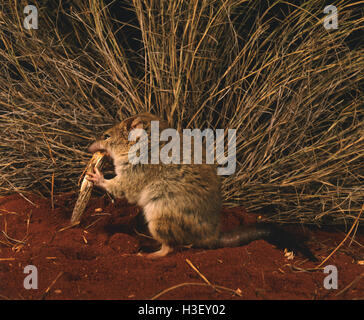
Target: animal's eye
106, 136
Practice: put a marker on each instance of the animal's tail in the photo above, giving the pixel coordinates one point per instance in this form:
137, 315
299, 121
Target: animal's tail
269, 232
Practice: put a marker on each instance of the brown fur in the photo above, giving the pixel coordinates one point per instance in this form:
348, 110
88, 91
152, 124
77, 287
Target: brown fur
181, 202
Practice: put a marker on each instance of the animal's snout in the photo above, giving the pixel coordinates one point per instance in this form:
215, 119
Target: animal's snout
96, 146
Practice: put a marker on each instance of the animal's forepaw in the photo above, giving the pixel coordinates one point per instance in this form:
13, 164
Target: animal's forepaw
97, 177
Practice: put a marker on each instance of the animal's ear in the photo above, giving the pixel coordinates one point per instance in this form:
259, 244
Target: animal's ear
133, 122
142, 121
137, 123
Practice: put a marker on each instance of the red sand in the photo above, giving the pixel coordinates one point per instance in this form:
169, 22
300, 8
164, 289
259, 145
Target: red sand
99, 258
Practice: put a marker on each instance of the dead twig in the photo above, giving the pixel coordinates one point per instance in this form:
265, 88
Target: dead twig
93, 223
201, 275
235, 292
7, 212
69, 227
51, 285
12, 239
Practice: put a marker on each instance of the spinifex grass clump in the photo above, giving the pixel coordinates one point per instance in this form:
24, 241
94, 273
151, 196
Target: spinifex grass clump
269, 70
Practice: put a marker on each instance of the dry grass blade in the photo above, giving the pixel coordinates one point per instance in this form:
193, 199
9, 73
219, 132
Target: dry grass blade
69, 226
342, 242
201, 275
12, 239
44, 295
7, 259
193, 284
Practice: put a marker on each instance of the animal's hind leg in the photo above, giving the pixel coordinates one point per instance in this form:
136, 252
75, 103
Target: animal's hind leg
163, 251
157, 230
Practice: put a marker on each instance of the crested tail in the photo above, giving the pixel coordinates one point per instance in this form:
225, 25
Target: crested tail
269, 232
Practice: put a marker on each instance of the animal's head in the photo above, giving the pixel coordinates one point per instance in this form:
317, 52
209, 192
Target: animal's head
118, 140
